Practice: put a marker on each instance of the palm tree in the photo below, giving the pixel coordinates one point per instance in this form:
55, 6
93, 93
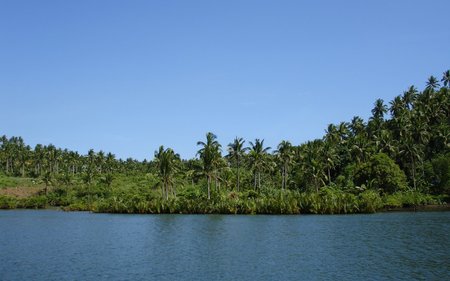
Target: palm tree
209, 153
100, 160
397, 107
24, 154
432, 83
90, 168
377, 120
410, 151
166, 160
331, 158
110, 162
258, 155
446, 78
313, 163
410, 96
284, 154
236, 150
379, 110
48, 180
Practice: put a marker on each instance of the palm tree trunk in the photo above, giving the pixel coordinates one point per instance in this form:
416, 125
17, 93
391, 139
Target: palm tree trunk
167, 191
413, 173
237, 175
209, 187
285, 177
315, 183
259, 180
329, 176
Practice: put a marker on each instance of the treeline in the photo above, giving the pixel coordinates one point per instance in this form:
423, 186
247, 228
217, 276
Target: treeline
404, 146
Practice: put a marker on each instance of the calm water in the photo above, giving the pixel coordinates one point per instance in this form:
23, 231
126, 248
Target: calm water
55, 245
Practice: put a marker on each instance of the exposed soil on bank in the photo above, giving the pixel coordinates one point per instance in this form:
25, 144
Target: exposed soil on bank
21, 192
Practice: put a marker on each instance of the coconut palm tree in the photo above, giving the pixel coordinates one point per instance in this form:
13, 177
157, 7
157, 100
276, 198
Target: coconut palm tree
397, 107
209, 152
357, 126
409, 96
432, 84
100, 161
48, 180
284, 154
258, 160
411, 153
379, 110
313, 164
110, 162
24, 155
377, 120
446, 79
236, 151
167, 162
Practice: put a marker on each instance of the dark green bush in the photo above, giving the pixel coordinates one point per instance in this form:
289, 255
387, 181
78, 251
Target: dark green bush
381, 172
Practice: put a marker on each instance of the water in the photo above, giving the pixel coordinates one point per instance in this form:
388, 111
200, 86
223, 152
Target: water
55, 245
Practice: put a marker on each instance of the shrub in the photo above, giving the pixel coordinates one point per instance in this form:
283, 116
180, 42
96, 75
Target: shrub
381, 172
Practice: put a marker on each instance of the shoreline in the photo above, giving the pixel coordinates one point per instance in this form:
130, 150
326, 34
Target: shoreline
409, 209
420, 208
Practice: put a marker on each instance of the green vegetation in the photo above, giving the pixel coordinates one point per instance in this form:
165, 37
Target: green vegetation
399, 158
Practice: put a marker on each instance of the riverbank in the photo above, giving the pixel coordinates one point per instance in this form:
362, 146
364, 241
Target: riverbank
420, 208
327, 201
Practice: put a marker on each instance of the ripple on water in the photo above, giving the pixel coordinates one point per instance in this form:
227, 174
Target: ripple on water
53, 245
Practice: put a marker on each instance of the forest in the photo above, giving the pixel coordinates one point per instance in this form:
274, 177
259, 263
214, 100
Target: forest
399, 157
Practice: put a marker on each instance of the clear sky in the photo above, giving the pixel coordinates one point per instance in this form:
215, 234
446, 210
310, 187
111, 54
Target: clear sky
128, 76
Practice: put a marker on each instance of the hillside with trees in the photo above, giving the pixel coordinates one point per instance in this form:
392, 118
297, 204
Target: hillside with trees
399, 157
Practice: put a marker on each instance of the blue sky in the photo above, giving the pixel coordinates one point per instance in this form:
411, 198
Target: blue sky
128, 76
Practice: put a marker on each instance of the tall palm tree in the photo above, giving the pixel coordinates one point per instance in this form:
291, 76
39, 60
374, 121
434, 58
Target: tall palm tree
411, 153
377, 120
38, 158
357, 126
166, 160
48, 180
330, 157
313, 164
446, 78
410, 96
397, 107
24, 154
90, 168
379, 110
236, 151
284, 154
258, 155
110, 162
432, 83
100, 159
209, 153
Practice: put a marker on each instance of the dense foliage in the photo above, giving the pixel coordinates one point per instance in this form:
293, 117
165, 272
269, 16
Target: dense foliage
400, 156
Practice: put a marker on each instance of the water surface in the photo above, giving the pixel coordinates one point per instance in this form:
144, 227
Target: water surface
56, 245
